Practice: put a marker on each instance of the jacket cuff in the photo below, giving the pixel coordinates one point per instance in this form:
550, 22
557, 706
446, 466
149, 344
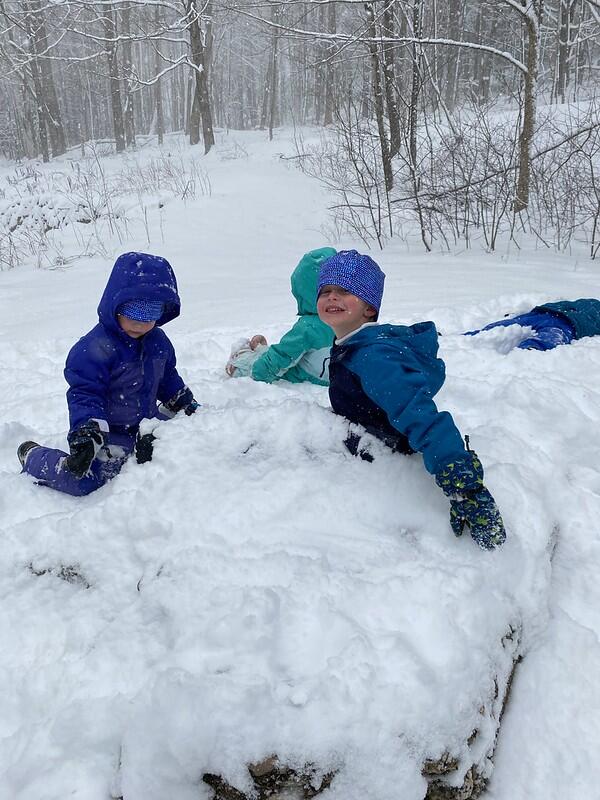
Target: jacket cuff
461, 476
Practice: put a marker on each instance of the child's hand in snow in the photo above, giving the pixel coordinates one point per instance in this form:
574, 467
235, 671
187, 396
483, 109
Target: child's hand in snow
243, 355
478, 512
257, 340
471, 504
84, 443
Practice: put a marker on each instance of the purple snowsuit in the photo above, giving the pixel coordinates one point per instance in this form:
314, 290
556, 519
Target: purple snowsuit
115, 379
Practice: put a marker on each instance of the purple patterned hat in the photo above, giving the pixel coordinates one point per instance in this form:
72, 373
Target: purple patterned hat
356, 273
142, 310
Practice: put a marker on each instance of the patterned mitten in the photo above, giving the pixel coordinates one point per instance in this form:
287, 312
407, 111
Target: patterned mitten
471, 504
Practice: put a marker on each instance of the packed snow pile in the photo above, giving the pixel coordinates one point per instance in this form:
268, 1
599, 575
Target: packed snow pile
256, 590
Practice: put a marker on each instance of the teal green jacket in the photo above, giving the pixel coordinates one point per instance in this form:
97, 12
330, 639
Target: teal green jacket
583, 315
302, 353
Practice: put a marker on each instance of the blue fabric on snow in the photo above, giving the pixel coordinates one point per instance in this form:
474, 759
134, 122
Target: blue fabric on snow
48, 466
117, 378
358, 274
549, 329
384, 377
583, 315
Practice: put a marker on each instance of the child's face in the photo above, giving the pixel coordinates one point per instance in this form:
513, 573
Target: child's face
342, 311
134, 328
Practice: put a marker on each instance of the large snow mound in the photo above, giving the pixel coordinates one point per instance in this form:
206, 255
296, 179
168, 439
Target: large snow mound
255, 589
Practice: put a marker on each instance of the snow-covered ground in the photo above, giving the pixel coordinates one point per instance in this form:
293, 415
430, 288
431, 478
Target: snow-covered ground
254, 589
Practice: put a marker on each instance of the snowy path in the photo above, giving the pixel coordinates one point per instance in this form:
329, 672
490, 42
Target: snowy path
255, 589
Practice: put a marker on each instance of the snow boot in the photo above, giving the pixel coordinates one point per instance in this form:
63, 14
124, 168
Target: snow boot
24, 449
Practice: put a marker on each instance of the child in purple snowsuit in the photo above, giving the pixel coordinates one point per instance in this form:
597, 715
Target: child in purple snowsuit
117, 373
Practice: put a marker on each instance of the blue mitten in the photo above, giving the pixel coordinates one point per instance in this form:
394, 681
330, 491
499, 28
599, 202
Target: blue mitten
471, 504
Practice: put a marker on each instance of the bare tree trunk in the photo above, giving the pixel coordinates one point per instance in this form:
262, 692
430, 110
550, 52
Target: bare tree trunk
320, 53
41, 110
192, 117
37, 88
47, 98
330, 72
208, 41
562, 50
208, 133
365, 93
386, 160
532, 26
434, 65
182, 100
24, 130
275, 12
31, 134
241, 86
486, 66
389, 76
110, 33
454, 32
58, 142
160, 123
482, 61
566, 18
264, 112
201, 109
478, 57
252, 102
415, 83
129, 111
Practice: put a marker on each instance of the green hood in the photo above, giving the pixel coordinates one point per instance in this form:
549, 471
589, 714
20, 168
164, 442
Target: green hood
305, 279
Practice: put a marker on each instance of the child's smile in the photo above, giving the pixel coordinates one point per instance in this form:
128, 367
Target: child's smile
343, 311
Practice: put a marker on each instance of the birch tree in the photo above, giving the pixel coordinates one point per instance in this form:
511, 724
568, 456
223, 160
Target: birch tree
530, 12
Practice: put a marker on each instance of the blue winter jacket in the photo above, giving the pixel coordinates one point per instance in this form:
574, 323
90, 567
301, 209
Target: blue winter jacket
583, 315
116, 378
384, 377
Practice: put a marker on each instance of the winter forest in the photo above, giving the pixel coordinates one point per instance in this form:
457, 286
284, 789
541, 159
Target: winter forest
255, 610
434, 104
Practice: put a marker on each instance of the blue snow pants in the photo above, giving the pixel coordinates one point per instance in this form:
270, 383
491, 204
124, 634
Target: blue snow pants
48, 466
549, 330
